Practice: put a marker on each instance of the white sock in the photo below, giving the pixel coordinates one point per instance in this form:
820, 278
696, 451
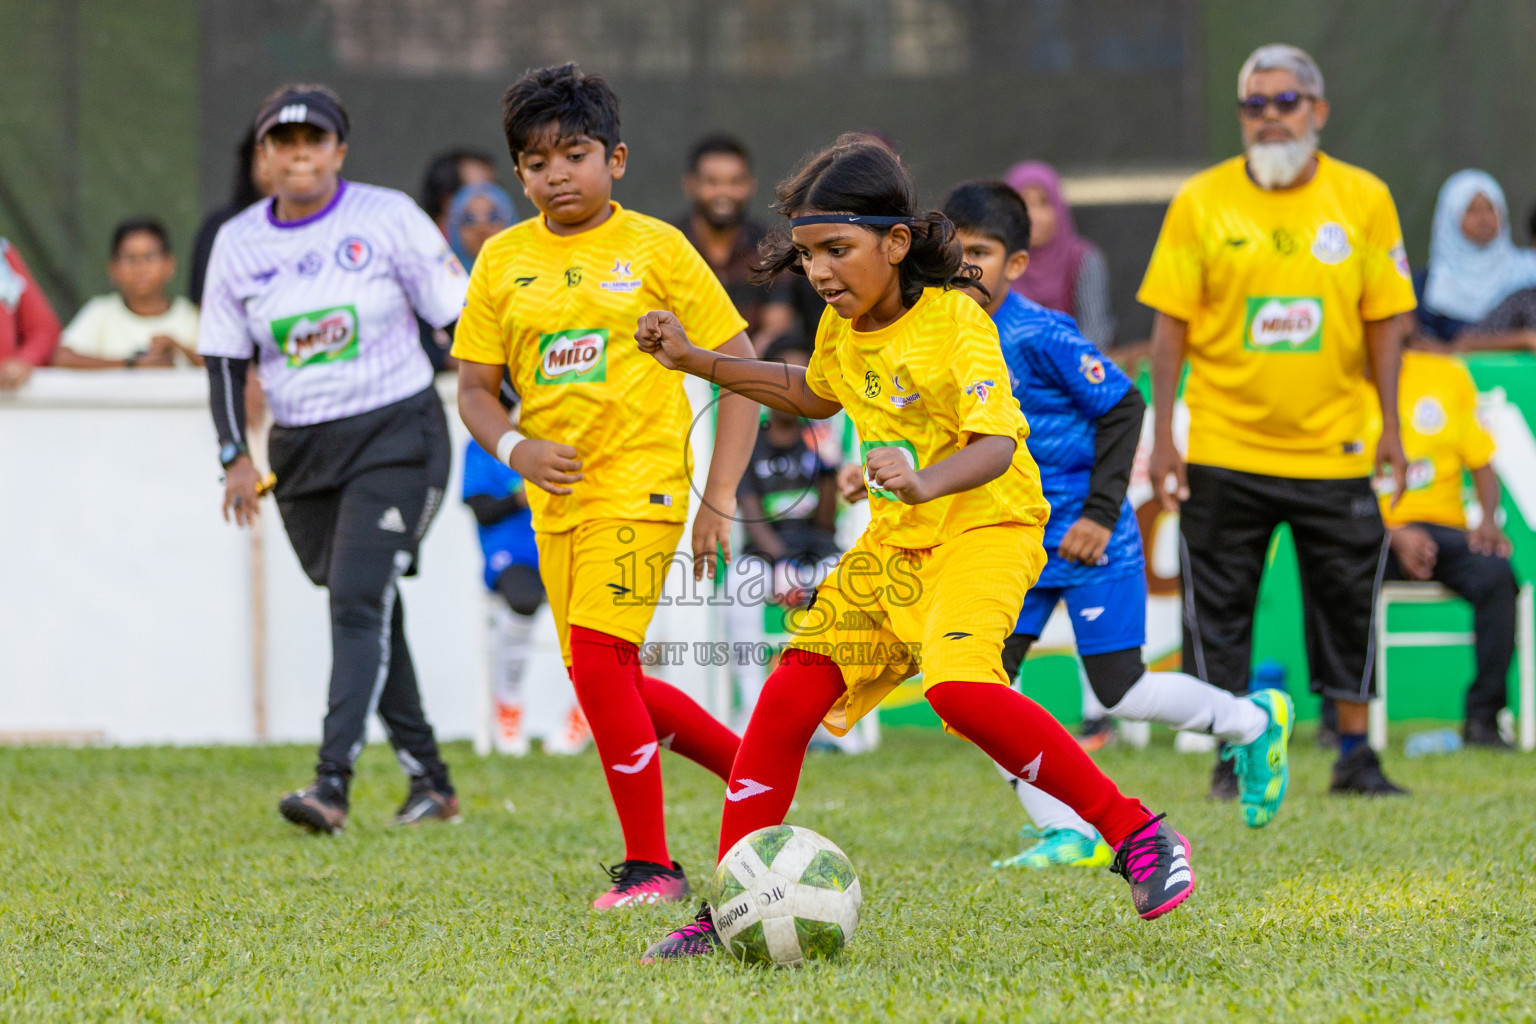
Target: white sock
1045, 810
514, 644
1183, 702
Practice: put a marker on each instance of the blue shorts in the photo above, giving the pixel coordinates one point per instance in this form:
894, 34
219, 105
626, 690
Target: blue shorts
1106, 617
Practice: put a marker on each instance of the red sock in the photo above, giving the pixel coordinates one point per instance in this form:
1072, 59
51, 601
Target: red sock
762, 782
1023, 737
604, 669
687, 729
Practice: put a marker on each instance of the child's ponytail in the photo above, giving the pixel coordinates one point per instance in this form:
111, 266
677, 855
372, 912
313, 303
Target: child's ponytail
861, 175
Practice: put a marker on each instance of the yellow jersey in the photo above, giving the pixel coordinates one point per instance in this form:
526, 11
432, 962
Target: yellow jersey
1441, 437
927, 384
560, 312
1276, 287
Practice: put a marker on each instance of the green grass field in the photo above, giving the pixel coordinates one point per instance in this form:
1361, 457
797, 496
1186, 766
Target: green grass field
160, 885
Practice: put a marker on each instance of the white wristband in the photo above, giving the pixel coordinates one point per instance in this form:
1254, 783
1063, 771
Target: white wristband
504, 447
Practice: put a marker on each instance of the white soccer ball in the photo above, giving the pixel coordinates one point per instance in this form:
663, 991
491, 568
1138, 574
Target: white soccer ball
783, 895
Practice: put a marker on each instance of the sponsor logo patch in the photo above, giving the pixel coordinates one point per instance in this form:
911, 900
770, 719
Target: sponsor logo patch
1092, 368
1399, 257
983, 388
578, 356
623, 280
324, 336
1283, 323
1331, 244
865, 447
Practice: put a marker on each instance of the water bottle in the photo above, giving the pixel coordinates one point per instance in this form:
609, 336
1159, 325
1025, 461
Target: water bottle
1435, 741
1268, 674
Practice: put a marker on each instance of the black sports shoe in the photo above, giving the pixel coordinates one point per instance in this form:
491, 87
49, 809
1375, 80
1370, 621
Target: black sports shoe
1360, 772
1224, 784
697, 939
1155, 860
320, 807
1485, 735
427, 803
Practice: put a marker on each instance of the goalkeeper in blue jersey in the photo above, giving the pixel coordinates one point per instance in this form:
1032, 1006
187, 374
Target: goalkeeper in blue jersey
1085, 420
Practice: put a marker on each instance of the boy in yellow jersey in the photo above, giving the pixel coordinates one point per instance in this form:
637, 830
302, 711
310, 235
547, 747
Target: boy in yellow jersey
552, 302
1428, 529
1280, 275
955, 540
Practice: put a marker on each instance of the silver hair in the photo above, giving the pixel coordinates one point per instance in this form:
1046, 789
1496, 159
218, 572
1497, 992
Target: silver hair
1282, 57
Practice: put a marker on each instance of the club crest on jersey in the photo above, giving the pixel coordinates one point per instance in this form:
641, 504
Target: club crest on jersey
578, 356
623, 280
309, 264
1092, 368
353, 253
1399, 257
324, 336
981, 389
1331, 244
871, 384
572, 276
451, 263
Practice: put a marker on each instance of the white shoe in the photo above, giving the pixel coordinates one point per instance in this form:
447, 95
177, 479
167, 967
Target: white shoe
510, 737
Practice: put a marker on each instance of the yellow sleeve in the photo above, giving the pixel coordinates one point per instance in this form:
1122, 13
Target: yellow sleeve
1175, 280
823, 364
699, 299
987, 405
478, 336
1475, 446
1388, 287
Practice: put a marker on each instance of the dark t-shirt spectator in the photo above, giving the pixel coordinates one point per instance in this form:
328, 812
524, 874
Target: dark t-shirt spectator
29, 330
1516, 313
748, 298
1432, 324
789, 483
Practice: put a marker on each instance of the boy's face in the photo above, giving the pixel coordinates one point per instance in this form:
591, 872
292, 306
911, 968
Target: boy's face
570, 180
851, 267
141, 269
999, 267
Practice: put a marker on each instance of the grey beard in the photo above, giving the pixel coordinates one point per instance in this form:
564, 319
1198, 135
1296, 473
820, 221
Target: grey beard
1278, 164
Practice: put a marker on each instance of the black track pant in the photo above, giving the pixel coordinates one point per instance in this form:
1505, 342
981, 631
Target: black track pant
356, 496
1225, 529
1488, 584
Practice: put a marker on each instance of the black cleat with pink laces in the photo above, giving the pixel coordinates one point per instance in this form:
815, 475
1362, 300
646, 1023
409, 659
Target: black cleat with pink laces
697, 939
1155, 860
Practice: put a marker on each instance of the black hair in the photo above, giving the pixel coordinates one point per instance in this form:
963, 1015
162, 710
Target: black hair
719, 143
565, 97
790, 341
245, 191
991, 208
860, 174
134, 225
443, 178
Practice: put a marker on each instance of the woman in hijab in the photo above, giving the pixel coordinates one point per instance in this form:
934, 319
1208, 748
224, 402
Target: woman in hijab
477, 212
1066, 271
1473, 264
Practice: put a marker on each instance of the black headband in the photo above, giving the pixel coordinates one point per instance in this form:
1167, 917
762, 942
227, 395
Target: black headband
850, 218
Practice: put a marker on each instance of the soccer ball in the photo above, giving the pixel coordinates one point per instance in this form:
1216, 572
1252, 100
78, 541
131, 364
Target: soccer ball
784, 895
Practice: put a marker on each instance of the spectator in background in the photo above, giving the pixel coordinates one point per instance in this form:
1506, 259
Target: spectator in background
1473, 264
448, 172
1066, 271
718, 185
1428, 529
139, 324
29, 331
1512, 324
477, 212
251, 186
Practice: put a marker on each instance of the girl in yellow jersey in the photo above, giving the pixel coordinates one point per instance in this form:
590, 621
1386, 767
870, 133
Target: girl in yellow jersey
935, 583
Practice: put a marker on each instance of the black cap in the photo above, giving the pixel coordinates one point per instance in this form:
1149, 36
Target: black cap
302, 106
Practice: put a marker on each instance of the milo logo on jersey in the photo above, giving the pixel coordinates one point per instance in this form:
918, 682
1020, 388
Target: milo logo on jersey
1280, 323
865, 447
578, 356
324, 336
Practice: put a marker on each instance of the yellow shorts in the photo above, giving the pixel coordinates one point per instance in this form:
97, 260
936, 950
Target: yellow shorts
606, 574
888, 613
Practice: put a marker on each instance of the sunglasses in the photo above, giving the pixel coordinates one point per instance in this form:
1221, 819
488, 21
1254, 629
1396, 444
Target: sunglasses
1254, 105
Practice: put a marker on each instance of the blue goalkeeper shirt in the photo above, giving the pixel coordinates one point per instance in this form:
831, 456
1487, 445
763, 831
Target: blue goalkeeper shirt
1064, 385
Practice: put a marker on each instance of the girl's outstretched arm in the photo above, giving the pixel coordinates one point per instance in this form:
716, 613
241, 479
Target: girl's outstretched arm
776, 385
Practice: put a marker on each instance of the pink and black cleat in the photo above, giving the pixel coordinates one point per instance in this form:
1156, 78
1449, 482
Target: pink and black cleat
639, 882
696, 939
1155, 860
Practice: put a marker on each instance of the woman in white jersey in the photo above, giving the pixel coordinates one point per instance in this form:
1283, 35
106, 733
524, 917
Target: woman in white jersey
321, 285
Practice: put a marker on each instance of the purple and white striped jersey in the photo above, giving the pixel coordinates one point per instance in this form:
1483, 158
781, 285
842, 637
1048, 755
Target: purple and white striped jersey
325, 303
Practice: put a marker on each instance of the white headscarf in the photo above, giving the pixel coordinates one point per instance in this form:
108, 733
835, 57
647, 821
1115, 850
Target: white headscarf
1467, 280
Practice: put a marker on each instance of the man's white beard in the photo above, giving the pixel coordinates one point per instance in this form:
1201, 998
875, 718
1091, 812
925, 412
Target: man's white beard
1278, 164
